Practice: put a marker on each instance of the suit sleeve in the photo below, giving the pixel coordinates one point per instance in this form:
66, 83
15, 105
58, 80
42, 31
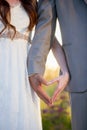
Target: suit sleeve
44, 34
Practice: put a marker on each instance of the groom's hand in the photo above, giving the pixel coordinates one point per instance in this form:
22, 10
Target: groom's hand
62, 83
36, 82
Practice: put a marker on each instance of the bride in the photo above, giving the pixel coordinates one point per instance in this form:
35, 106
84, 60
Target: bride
19, 104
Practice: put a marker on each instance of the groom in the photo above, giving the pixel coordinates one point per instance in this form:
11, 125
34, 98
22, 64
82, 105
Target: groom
72, 16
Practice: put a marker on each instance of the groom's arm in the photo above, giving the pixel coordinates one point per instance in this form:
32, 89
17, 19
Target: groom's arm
40, 47
44, 34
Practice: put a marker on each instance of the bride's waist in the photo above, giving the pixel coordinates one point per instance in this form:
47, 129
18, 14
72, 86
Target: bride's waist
16, 35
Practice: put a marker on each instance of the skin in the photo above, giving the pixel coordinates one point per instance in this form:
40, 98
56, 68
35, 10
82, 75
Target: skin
13, 3
37, 80
63, 79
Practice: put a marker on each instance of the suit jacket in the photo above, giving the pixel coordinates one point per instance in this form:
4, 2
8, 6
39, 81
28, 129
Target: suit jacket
43, 37
72, 16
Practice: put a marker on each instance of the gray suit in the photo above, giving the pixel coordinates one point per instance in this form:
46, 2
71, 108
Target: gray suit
73, 23
72, 16
43, 37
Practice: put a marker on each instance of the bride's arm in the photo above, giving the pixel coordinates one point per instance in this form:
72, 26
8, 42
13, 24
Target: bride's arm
63, 79
59, 55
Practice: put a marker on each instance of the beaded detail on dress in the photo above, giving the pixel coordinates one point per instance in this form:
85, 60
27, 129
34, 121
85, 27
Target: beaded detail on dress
17, 35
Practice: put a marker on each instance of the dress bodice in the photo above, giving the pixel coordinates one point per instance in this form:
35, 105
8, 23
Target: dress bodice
19, 19
19, 104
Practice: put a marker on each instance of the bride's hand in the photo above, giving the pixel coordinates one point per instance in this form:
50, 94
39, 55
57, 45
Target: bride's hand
62, 83
36, 82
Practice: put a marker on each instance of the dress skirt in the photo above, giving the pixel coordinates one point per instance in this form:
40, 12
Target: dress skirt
19, 104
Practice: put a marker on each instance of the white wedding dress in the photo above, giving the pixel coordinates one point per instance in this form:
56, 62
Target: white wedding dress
19, 104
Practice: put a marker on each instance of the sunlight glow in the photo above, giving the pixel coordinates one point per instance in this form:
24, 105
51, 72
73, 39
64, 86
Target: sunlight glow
51, 61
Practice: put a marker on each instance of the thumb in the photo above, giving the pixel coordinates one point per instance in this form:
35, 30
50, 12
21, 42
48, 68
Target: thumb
42, 80
53, 81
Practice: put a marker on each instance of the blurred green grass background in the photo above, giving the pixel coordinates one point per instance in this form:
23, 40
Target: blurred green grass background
57, 117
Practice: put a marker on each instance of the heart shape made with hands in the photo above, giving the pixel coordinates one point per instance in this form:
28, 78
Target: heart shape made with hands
43, 94
62, 82
56, 91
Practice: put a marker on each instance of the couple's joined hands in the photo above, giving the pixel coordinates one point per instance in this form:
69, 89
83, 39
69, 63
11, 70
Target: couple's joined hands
37, 80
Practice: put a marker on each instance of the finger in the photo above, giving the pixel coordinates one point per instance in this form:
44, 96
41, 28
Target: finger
54, 97
57, 92
43, 95
40, 79
62, 84
53, 81
36, 85
43, 81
